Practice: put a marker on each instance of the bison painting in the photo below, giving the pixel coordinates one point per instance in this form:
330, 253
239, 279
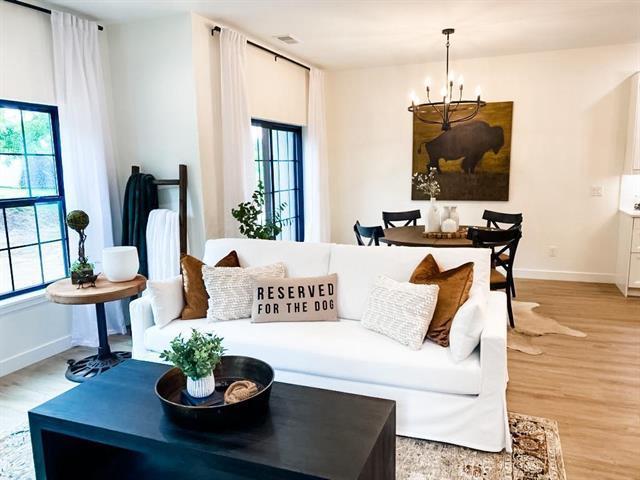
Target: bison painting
472, 159
468, 141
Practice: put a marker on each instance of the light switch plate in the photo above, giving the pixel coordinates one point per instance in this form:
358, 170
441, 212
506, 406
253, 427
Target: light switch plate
597, 190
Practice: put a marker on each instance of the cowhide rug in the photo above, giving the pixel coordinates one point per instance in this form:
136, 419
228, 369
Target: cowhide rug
530, 324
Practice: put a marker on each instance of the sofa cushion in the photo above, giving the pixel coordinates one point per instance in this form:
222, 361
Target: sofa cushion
301, 259
343, 350
357, 267
454, 291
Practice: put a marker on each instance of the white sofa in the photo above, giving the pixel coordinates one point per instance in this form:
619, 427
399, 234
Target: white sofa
437, 398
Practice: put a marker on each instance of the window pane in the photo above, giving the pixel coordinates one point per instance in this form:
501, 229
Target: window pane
292, 203
3, 235
284, 176
37, 130
42, 174
22, 226
53, 261
10, 131
26, 267
13, 177
49, 221
5, 273
283, 154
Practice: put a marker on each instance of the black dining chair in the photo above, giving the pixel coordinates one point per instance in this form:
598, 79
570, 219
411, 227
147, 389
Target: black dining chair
503, 221
409, 217
500, 242
372, 234
494, 219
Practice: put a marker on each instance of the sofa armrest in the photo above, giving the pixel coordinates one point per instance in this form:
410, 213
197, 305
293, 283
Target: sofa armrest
141, 319
493, 344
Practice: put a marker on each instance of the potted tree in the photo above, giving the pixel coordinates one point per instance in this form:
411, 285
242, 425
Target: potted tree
253, 222
197, 358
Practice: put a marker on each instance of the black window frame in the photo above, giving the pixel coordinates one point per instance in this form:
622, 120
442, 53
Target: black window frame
269, 180
35, 200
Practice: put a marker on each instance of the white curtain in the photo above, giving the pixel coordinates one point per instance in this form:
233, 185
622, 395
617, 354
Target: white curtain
317, 218
237, 150
87, 153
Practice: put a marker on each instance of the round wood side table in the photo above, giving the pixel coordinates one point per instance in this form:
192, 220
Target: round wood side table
64, 292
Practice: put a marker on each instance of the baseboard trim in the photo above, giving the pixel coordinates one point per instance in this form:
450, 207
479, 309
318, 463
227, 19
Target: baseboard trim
29, 357
563, 275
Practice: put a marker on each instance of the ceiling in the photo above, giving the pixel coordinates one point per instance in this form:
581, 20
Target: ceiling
337, 34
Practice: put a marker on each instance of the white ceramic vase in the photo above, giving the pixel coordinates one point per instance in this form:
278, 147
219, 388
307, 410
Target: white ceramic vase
453, 215
202, 387
449, 225
433, 217
120, 264
446, 213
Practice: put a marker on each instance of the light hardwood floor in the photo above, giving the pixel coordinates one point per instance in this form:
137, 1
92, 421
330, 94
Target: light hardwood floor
591, 385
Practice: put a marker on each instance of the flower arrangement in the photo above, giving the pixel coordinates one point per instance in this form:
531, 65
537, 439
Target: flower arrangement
198, 356
427, 183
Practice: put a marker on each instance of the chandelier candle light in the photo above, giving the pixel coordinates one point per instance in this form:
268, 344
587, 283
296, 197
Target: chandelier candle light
446, 108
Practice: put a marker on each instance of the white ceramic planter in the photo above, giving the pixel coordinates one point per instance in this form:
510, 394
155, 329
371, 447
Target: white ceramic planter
202, 387
120, 264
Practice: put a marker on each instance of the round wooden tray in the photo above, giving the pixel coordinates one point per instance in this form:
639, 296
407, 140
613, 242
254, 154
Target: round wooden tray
231, 369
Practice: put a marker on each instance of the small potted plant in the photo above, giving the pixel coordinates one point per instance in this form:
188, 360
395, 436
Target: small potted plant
197, 358
80, 269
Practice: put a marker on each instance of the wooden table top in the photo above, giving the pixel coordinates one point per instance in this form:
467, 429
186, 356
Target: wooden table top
63, 291
412, 237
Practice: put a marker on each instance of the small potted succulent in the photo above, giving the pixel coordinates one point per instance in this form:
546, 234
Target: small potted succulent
197, 358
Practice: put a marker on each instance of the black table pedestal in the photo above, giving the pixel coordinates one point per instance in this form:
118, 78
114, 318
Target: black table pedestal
89, 367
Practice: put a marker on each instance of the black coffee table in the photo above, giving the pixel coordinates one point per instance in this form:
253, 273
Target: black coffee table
114, 427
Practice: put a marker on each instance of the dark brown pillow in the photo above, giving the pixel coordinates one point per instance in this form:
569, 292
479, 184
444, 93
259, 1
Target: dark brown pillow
454, 291
195, 293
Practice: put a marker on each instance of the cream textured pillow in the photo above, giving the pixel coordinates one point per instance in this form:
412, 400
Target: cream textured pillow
309, 299
166, 299
401, 311
230, 289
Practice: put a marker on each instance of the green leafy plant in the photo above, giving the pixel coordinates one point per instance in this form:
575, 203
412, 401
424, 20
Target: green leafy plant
250, 215
198, 356
79, 266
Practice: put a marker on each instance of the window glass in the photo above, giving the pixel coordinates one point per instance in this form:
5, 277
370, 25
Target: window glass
33, 240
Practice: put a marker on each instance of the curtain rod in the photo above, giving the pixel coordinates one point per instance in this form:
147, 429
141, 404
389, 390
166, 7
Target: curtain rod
275, 54
36, 8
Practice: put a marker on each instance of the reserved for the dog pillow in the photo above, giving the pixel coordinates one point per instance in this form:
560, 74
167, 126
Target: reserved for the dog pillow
310, 299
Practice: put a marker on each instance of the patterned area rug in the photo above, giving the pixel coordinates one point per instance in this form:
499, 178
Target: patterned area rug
536, 456
529, 324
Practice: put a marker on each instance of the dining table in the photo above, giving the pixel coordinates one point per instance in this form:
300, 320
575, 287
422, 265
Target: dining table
413, 236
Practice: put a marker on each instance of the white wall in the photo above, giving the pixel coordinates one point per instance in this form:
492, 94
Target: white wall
568, 134
154, 108
26, 55
31, 328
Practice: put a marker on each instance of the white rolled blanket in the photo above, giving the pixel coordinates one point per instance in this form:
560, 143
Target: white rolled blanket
163, 244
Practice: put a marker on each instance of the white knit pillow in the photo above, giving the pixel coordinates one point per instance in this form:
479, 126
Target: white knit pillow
400, 310
230, 289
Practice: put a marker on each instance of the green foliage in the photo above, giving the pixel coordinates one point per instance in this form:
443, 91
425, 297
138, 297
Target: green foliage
78, 266
196, 357
77, 220
250, 215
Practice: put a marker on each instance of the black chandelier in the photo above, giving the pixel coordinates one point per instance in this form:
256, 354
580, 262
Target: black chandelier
448, 106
